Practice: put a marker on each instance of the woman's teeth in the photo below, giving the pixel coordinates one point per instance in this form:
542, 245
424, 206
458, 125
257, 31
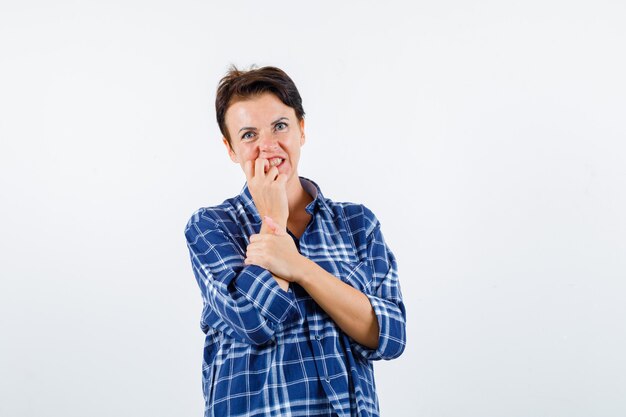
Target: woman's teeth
275, 161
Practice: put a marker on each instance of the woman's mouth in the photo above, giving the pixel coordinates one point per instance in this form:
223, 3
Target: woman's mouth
274, 162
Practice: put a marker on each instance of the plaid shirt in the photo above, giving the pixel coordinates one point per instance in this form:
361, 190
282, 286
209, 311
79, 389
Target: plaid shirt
270, 352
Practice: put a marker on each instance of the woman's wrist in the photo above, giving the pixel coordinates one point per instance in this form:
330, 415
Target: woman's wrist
305, 268
267, 229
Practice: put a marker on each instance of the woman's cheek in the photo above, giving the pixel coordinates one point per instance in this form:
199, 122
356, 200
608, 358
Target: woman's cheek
248, 156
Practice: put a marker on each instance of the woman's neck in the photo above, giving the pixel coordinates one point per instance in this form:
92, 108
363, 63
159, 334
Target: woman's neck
297, 197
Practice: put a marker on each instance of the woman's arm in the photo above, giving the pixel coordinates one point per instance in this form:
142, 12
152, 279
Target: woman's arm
350, 309
347, 306
240, 300
270, 198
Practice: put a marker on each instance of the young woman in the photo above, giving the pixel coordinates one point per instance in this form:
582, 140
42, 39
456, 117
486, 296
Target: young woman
300, 293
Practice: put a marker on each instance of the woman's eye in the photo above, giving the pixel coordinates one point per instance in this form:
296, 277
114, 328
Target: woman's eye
281, 126
247, 135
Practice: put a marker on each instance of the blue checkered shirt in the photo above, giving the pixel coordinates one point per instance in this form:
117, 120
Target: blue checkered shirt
270, 352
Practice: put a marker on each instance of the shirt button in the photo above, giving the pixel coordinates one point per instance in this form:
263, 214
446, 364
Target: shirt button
318, 337
327, 379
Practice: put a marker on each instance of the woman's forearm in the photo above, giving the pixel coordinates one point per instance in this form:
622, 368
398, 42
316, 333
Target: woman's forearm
349, 308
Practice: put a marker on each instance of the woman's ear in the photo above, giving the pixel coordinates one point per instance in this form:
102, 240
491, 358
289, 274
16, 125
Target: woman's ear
231, 153
302, 138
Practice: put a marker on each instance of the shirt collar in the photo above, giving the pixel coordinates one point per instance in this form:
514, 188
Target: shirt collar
319, 202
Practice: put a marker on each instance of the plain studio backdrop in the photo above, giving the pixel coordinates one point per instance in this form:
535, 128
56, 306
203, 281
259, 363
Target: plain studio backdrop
488, 138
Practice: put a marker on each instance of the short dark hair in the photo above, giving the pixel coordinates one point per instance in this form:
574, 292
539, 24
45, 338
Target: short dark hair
239, 85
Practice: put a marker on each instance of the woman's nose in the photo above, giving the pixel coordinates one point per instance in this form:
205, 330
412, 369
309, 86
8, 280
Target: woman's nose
267, 142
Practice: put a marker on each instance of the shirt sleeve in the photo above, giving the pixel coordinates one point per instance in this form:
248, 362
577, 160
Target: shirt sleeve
244, 301
384, 294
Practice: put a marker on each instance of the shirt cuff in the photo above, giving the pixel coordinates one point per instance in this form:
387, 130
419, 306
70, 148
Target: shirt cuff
261, 289
389, 313
391, 331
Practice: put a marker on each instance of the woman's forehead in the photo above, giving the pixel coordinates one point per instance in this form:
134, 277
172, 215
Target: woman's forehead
262, 109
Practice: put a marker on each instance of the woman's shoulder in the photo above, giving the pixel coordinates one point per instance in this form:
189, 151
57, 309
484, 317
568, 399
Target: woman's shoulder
358, 215
222, 216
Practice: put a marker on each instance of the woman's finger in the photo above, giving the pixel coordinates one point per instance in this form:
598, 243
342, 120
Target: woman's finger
282, 179
248, 170
272, 173
259, 167
274, 227
271, 224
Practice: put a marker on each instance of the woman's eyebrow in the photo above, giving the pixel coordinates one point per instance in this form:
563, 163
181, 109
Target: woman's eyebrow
274, 122
279, 119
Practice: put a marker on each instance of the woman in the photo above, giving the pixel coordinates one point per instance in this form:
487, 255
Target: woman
300, 293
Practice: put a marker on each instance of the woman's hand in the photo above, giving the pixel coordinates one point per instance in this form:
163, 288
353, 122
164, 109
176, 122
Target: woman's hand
268, 190
274, 251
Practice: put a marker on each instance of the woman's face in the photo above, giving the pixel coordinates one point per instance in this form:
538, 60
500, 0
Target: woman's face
263, 127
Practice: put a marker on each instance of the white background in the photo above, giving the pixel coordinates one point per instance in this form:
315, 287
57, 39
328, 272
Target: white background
488, 137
